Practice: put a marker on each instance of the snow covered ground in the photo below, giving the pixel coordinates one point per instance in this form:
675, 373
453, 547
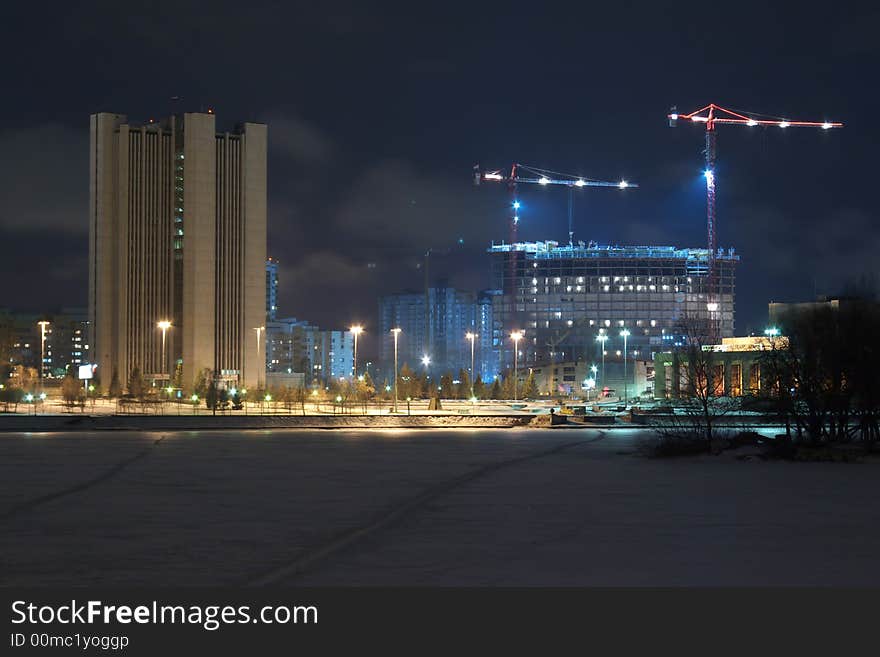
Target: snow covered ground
431, 507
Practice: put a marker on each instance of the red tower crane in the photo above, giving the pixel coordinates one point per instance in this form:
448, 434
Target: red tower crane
536, 176
712, 115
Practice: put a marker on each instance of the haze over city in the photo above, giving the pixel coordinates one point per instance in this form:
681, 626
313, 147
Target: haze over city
376, 119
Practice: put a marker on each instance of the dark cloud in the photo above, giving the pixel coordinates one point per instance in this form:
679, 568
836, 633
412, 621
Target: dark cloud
298, 140
45, 270
44, 179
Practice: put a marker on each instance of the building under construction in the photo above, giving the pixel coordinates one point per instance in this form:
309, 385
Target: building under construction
564, 296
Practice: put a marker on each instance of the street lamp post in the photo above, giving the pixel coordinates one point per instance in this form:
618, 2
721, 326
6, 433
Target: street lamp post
395, 332
164, 325
471, 336
356, 330
601, 338
516, 336
595, 370
625, 334
43, 324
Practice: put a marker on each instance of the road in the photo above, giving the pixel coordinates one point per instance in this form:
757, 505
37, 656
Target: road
422, 507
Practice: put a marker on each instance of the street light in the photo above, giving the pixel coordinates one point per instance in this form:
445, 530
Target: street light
625, 334
43, 324
395, 332
163, 325
601, 338
516, 336
471, 336
356, 330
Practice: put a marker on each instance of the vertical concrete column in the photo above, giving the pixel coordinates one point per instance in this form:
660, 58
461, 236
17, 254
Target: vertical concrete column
253, 284
199, 247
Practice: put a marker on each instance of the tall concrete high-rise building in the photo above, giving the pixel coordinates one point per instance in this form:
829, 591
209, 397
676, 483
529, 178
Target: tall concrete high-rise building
177, 233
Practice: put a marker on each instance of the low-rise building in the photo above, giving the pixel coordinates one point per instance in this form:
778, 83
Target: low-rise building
573, 378
735, 364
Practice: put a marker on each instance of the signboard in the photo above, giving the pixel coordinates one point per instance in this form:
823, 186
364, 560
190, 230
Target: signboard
87, 371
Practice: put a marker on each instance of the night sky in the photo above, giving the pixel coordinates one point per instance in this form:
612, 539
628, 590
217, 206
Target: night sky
377, 113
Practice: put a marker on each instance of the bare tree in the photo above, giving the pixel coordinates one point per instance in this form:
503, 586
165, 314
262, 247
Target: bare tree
700, 401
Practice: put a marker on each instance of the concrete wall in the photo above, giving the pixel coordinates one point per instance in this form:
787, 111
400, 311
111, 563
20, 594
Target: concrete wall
103, 237
254, 281
199, 246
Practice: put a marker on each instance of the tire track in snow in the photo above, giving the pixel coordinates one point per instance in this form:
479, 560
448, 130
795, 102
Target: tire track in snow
29, 505
349, 537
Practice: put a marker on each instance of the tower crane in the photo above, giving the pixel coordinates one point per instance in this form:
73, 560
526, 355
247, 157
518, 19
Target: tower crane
710, 116
523, 174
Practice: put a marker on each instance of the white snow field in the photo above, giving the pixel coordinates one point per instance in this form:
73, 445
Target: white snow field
436, 507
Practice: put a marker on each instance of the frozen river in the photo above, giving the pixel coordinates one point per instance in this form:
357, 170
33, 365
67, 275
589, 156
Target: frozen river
422, 507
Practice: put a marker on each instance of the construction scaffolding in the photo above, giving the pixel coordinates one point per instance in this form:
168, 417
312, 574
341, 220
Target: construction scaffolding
564, 297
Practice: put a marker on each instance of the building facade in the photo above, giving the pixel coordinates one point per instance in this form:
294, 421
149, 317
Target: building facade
432, 325
489, 335
62, 342
564, 297
572, 378
736, 365
295, 346
271, 289
177, 234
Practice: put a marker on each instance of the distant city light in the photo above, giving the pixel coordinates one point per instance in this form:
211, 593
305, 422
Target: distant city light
623, 184
543, 180
826, 126
784, 124
516, 205
579, 183
771, 332
751, 122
